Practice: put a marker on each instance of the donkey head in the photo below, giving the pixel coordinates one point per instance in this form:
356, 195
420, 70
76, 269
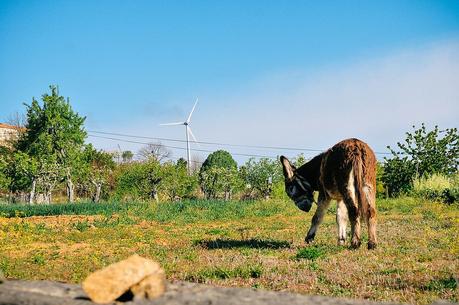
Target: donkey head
297, 187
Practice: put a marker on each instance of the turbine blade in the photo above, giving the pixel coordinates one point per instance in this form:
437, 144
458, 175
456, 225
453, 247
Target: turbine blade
194, 106
192, 135
170, 124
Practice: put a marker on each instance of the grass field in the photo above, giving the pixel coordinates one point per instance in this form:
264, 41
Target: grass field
251, 244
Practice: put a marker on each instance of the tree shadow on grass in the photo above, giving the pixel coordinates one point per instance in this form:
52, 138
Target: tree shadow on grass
244, 243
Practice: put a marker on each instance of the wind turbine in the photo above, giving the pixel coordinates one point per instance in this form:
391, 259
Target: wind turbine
188, 133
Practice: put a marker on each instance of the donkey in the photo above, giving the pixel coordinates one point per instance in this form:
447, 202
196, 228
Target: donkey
346, 173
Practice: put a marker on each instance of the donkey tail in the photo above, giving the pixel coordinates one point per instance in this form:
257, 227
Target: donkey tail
363, 203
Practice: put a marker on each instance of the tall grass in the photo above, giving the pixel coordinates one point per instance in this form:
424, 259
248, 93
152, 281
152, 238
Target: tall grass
85, 208
438, 187
435, 182
177, 212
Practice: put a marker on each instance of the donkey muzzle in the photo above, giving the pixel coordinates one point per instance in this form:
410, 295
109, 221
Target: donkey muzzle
304, 205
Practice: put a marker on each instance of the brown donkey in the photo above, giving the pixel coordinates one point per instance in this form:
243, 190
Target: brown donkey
346, 173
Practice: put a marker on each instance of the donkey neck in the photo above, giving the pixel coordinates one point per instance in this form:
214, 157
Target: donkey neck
311, 171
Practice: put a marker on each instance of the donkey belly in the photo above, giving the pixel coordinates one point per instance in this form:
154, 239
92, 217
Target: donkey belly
334, 194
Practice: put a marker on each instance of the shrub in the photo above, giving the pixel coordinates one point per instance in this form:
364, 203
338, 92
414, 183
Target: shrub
422, 154
381, 190
138, 180
437, 187
261, 176
176, 183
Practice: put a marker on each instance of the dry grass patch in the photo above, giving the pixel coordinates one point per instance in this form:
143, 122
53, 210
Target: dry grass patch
259, 245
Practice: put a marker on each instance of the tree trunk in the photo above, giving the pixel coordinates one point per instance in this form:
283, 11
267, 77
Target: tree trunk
98, 191
154, 194
32, 191
227, 195
47, 197
70, 190
96, 196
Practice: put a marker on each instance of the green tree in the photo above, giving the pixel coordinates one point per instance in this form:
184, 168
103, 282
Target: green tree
127, 156
219, 158
261, 175
422, 154
381, 191
4, 164
176, 183
220, 182
218, 174
20, 172
99, 166
138, 180
181, 162
299, 160
54, 137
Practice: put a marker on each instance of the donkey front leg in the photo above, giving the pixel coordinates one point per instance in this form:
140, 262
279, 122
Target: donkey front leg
322, 207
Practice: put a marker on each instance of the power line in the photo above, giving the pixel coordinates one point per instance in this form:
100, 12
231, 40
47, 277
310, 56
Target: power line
182, 148
206, 143
219, 143
192, 161
169, 158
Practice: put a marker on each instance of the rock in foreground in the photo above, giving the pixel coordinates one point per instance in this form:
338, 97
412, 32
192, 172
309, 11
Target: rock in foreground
179, 293
108, 284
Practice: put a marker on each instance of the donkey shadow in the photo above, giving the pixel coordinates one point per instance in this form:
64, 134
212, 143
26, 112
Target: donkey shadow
251, 243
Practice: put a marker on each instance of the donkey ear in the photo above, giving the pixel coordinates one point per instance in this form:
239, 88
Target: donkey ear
289, 169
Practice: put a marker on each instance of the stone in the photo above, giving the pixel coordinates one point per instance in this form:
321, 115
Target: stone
108, 284
150, 287
16, 292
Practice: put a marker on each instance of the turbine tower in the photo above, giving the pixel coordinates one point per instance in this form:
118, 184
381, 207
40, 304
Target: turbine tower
188, 134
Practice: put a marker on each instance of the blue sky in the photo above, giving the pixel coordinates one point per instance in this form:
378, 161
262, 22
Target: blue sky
284, 73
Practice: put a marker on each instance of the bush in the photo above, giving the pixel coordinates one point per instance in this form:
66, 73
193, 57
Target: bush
137, 180
219, 182
381, 191
176, 183
422, 154
261, 176
398, 176
438, 188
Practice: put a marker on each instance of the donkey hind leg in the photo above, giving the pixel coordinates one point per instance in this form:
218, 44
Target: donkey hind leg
353, 212
322, 207
355, 229
341, 220
371, 216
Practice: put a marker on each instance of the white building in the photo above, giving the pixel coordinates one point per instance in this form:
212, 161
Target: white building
8, 133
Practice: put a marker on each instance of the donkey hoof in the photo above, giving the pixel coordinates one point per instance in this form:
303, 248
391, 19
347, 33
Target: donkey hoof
341, 241
355, 244
309, 239
371, 245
